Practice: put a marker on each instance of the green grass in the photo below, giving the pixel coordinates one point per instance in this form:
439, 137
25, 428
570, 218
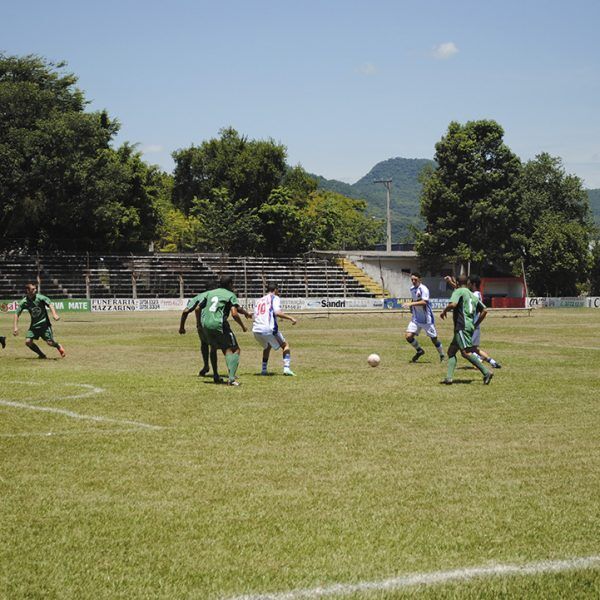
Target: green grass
342, 474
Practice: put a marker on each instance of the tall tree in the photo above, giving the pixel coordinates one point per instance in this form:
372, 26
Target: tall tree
248, 169
552, 227
468, 201
62, 185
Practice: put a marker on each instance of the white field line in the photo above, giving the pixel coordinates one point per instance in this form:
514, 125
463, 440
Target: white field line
91, 389
67, 433
74, 415
432, 578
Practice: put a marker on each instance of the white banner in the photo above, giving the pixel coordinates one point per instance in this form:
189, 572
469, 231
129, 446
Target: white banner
547, 302
152, 304
129, 304
593, 302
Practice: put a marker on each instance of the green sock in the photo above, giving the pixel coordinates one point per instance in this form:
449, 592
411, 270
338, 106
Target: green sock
232, 360
35, 348
475, 360
451, 366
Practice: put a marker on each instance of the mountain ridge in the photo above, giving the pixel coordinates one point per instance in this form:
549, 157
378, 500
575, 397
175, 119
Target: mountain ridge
404, 194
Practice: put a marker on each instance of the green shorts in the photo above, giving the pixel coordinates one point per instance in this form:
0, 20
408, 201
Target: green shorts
202, 335
463, 339
224, 340
40, 332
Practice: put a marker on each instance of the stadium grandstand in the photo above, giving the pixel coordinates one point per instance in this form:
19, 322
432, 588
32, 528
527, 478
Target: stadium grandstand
178, 275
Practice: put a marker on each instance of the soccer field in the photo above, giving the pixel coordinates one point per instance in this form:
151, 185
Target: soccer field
125, 475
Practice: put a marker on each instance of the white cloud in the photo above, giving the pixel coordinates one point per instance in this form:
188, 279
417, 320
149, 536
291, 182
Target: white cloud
151, 149
444, 51
367, 69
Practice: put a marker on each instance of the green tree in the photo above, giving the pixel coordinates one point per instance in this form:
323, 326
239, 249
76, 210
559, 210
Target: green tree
557, 256
226, 225
469, 199
595, 269
62, 185
553, 217
248, 169
336, 222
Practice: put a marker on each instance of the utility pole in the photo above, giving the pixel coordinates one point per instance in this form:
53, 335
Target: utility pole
388, 214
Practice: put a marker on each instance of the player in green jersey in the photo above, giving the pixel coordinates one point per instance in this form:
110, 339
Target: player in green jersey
40, 327
218, 305
465, 307
196, 304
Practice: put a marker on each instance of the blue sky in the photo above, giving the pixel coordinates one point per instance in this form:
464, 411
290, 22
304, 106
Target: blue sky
343, 85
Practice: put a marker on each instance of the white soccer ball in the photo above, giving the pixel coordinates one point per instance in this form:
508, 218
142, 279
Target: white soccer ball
374, 360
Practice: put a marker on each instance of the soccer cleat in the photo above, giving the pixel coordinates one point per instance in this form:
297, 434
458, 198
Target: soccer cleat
442, 357
418, 355
203, 372
288, 371
42, 356
447, 381
487, 378
3, 342
61, 351
234, 383
496, 365
217, 379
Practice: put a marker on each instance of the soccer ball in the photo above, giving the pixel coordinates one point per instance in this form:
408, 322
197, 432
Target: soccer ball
374, 360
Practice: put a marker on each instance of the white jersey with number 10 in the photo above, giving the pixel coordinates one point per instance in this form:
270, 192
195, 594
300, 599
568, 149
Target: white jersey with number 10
265, 319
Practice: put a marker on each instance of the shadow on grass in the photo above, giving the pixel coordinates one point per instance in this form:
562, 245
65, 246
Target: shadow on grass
460, 381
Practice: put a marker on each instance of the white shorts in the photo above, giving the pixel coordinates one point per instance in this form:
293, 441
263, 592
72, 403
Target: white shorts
275, 340
428, 328
476, 337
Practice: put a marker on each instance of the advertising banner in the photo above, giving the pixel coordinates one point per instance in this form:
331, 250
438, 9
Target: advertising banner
547, 302
396, 303
178, 304
65, 305
130, 304
593, 301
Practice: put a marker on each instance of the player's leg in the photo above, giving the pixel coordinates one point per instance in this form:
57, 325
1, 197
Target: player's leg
265, 359
263, 342
30, 343
431, 332
205, 351
486, 357
465, 344
412, 330
214, 364
49, 337
287, 359
232, 355
452, 360
232, 358
2, 341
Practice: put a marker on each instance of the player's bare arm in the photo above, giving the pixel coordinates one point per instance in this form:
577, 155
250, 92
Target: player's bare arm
446, 310
451, 281
244, 312
281, 315
416, 303
184, 316
55, 315
236, 317
482, 316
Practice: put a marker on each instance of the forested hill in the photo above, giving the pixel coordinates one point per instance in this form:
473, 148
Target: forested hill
404, 173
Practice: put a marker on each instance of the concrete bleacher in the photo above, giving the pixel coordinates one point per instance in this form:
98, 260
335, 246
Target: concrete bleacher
172, 275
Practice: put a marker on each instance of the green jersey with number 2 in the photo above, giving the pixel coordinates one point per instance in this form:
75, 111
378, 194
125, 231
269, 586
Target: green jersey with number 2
467, 306
217, 309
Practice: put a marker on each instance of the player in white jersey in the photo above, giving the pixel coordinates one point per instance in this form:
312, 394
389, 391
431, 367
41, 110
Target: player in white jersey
474, 283
266, 329
422, 318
